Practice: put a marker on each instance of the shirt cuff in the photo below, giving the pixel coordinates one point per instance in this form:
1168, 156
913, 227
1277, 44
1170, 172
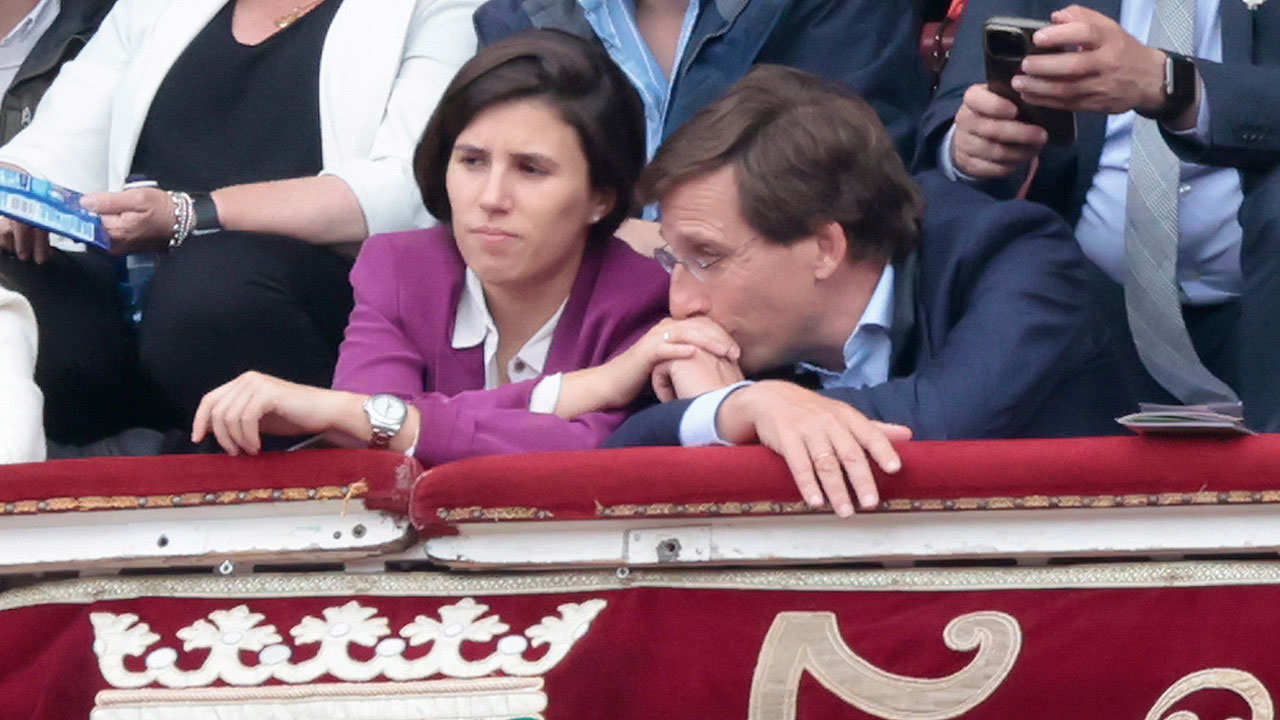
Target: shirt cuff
546, 395
1199, 133
953, 173
412, 450
698, 424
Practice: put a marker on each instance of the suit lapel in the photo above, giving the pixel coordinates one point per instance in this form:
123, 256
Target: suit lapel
566, 345
454, 371
903, 340
1237, 32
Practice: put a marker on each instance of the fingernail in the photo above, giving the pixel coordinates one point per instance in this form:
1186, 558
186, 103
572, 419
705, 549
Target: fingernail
844, 510
1017, 82
814, 500
89, 203
893, 466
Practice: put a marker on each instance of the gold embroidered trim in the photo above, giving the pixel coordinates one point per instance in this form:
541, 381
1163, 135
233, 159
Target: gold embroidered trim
190, 499
768, 507
451, 584
758, 507
475, 512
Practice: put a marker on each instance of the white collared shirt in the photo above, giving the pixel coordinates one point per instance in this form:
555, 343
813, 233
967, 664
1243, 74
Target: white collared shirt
474, 325
17, 45
866, 362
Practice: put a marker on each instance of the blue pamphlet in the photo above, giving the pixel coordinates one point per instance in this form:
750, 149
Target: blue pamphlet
52, 207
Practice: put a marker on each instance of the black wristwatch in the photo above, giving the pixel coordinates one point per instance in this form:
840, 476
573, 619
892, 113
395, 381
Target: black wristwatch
206, 214
1179, 87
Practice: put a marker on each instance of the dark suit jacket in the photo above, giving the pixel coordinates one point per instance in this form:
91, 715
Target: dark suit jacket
77, 21
1243, 93
407, 287
868, 45
994, 334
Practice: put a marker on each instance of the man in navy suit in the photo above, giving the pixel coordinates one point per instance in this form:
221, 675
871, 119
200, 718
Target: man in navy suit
792, 225
1223, 124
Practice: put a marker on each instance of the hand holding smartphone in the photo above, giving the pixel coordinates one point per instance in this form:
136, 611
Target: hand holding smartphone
1006, 41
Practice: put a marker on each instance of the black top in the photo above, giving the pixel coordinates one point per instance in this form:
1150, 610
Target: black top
229, 113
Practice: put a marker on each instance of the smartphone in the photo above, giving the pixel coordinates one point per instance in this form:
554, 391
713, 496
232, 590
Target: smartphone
1005, 41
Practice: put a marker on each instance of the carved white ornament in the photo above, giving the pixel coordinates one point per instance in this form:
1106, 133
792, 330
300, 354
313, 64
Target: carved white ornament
228, 633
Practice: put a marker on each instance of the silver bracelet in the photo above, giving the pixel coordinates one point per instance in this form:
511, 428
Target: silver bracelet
184, 218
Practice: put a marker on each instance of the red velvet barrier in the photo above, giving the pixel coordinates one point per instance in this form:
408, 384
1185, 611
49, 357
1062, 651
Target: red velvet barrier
987, 474
118, 483
662, 652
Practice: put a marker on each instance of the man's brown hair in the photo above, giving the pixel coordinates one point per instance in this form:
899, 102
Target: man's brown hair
806, 152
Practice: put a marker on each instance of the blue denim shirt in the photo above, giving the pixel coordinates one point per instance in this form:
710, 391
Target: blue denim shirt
614, 22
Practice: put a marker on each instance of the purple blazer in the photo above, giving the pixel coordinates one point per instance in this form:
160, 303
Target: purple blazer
407, 286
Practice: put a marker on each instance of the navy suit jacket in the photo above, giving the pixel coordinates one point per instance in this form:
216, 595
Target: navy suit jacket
1243, 93
994, 334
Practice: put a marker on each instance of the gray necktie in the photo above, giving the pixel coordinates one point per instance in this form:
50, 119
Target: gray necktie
1151, 240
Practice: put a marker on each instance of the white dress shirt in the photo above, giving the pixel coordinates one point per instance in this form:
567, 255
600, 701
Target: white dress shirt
21, 403
1209, 246
474, 325
866, 363
17, 45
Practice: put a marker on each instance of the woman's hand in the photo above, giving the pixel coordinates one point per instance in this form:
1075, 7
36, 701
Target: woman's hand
138, 220
23, 240
239, 411
616, 383
692, 376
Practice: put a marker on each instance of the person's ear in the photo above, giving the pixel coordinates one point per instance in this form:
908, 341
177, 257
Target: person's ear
832, 247
602, 203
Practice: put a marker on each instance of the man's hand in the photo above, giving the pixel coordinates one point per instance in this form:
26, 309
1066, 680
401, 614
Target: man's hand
989, 141
823, 441
24, 241
700, 373
1111, 73
138, 220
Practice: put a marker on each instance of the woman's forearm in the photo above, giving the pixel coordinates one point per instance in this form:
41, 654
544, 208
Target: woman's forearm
321, 210
590, 390
349, 423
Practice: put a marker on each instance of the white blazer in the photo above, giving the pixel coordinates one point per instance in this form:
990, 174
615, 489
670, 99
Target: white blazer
21, 403
383, 68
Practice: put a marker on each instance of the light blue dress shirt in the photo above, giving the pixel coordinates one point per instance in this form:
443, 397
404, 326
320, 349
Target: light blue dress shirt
1209, 246
866, 363
614, 22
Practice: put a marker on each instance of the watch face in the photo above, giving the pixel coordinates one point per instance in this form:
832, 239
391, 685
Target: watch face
388, 407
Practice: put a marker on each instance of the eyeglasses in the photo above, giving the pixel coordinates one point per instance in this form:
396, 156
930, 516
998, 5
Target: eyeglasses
697, 267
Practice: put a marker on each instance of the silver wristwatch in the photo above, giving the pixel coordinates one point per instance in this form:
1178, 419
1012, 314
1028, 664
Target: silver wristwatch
386, 415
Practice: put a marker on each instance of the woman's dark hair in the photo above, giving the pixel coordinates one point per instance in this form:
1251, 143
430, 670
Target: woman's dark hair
570, 74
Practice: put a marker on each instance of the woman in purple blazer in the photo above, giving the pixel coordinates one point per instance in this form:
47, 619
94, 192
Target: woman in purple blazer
520, 323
